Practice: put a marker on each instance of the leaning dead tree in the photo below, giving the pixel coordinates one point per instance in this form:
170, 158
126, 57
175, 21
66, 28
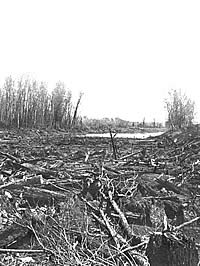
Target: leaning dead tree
76, 110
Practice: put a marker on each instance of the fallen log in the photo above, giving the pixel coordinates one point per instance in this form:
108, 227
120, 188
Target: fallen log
35, 180
169, 186
9, 141
30, 251
186, 223
123, 220
10, 156
110, 229
38, 170
39, 197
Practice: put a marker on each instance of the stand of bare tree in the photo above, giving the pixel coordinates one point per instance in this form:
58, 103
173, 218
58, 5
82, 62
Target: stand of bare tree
28, 103
180, 110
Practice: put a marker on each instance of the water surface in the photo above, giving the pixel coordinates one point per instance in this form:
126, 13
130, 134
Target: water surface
125, 135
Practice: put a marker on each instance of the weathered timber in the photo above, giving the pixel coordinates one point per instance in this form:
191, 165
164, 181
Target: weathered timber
168, 249
39, 170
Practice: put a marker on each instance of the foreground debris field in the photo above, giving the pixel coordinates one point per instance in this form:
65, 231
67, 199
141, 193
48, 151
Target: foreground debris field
69, 200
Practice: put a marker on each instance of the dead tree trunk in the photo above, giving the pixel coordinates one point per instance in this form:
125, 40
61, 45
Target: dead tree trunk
171, 250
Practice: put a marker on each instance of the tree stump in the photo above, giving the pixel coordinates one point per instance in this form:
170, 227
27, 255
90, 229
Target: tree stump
167, 249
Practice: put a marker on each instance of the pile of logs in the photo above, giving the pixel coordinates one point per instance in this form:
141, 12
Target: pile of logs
143, 195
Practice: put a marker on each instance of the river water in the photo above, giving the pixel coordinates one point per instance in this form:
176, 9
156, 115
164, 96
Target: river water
125, 135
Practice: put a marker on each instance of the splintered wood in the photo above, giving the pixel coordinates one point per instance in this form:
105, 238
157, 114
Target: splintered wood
112, 201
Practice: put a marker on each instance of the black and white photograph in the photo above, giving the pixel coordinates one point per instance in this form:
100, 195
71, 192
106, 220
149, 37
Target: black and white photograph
99, 133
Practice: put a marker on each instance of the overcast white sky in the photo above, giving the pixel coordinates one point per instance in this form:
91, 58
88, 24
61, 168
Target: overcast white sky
123, 55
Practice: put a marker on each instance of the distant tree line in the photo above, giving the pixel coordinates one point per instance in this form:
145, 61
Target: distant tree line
27, 103
116, 123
